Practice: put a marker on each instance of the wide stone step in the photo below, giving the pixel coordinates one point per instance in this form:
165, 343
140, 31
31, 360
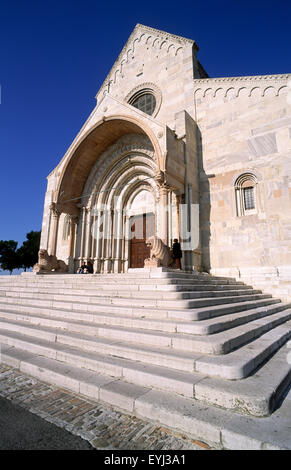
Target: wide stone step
123, 279
86, 312
210, 301
220, 343
82, 295
116, 278
257, 395
76, 321
219, 310
226, 341
88, 289
242, 362
135, 372
119, 283
144, 353
78, 302
217, 324
157, 273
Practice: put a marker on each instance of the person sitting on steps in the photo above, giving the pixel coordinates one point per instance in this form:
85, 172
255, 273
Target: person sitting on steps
83, 269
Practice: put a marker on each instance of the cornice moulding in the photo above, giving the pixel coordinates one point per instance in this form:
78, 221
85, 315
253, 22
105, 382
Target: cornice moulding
165, 34
279, 77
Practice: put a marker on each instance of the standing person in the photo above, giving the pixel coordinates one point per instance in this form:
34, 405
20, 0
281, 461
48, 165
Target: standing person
177, 253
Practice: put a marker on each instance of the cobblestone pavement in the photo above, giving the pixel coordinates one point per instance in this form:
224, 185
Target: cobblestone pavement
101, 425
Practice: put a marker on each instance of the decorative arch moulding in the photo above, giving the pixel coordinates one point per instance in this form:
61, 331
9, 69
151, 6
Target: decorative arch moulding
151, 37
66, 193
278, 77
249, 174
247, 89
113, 154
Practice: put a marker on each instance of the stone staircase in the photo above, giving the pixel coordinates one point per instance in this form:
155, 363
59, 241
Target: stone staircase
164, 344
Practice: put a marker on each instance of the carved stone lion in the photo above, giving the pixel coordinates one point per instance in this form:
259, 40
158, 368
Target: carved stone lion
48, 263
160, 254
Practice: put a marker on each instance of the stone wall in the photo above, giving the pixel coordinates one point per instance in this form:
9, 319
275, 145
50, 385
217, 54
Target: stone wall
245, 126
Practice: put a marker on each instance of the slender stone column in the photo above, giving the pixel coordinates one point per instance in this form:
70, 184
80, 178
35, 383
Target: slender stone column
71, 247
126, 243
88, 234
107, 238
118, 240
55, 217
83, 232
49, 231
98, 243
73, 222
164, 228
103, 240
93, 235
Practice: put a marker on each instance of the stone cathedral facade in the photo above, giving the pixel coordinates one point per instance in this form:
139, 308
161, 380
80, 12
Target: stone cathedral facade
168, 147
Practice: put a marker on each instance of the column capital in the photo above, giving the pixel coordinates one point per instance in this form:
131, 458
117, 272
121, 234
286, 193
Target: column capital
164, 188
160, 177
55, 209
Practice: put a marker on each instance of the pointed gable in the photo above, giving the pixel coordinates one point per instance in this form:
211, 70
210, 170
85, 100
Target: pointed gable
155, 41
157, 61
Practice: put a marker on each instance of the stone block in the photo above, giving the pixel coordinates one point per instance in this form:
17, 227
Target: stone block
121, 394
200, 421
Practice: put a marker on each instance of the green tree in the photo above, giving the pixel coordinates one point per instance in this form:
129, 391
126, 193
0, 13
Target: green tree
28, 252
9, 257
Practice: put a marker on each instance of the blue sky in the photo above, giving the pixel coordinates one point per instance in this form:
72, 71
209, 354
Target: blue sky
54, 56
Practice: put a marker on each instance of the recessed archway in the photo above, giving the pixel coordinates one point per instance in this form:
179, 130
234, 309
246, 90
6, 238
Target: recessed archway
122, 172
95, 141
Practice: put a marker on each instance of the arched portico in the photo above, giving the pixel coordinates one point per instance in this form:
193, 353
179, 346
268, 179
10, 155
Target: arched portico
97, 186
104, 236
87, 150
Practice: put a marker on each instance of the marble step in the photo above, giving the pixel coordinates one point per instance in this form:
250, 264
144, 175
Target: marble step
243, 361
87, 312
230, 320
210, 312
79, 302
216, 344
157, 273
256, 395
90, 289
111, 286
155, 355
220, 428
82, 295
76, 320
117, 278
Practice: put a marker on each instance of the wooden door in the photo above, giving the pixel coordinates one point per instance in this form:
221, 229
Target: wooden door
142, 227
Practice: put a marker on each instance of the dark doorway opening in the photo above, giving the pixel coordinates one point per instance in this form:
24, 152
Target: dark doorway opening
142, 227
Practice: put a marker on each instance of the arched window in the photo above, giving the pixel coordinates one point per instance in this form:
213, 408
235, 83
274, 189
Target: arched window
146, 97
246, 194
146, 102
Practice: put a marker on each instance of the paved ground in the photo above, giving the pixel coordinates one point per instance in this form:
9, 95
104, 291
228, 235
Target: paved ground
22, 430
35, 415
